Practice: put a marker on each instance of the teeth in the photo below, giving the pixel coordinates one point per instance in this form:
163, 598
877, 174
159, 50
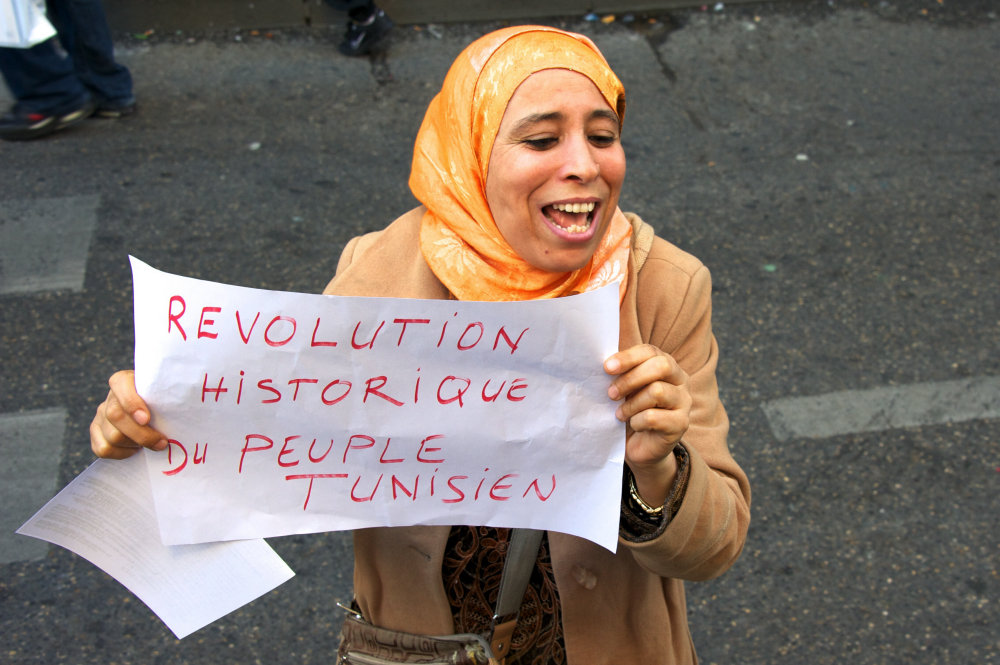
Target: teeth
576, 228
574, 207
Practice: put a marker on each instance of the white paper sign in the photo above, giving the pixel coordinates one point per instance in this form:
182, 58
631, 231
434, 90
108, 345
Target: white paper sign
294, 413
106, 516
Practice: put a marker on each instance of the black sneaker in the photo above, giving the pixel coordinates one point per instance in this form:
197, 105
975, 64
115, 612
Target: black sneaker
115, 110
361, 38
18, 124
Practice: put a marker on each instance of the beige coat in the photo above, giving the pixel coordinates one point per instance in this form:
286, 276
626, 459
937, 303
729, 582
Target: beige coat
636, 613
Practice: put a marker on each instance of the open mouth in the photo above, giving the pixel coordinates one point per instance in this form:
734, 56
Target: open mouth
572, 219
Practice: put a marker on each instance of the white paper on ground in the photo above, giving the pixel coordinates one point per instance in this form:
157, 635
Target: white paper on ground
296, 413
106, 515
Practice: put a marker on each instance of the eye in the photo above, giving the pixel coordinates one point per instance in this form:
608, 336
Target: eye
603, 140
543, 143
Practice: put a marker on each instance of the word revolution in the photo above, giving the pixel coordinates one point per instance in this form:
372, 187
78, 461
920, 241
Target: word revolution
281, 330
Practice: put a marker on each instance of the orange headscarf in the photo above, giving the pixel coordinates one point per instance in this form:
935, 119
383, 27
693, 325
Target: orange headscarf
458, 236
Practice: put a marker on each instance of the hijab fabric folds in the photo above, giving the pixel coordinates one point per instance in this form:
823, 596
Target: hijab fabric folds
458, 236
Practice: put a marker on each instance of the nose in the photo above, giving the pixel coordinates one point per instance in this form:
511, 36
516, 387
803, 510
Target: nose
578, 160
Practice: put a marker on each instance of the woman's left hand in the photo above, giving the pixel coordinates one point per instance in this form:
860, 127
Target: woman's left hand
656, 411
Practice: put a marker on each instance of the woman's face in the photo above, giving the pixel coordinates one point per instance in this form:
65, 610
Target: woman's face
556, 170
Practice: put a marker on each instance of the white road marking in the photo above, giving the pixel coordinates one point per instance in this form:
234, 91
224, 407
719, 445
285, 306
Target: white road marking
853, 411
30, 447
44, 243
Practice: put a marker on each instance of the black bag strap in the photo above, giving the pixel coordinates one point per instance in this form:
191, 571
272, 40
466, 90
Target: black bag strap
522, 551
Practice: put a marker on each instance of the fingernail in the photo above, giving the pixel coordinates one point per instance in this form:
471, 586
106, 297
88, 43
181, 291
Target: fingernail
613, 392
613, 366
619, 414
161, 445
140, 417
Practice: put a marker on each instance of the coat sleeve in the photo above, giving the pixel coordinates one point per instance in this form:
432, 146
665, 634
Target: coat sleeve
708, 532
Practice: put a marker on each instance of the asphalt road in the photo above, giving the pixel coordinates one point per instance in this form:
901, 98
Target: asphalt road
837, 168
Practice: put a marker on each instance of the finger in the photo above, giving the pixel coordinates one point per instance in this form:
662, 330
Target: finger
121, 429
109, 433
670, 424
656, 368
125, 411
657, 395
123, 387
625, 360
105, 449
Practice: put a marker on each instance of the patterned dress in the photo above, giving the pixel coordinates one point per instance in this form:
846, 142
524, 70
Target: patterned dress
473, 566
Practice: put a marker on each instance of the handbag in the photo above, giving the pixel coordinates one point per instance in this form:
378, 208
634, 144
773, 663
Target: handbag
23, 23
362, 643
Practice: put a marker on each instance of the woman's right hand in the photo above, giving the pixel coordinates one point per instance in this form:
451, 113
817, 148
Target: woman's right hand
120, 427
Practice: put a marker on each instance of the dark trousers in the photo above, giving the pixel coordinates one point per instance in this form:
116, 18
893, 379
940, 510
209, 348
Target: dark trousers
43, 81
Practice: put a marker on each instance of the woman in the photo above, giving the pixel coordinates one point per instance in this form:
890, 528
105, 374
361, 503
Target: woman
519, 166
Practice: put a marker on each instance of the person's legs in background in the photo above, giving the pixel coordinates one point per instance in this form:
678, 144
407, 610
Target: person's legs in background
84, 33
54, 91
368, 25
49, 94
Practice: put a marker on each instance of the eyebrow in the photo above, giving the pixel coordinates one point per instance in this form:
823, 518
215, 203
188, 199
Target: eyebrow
528, 121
